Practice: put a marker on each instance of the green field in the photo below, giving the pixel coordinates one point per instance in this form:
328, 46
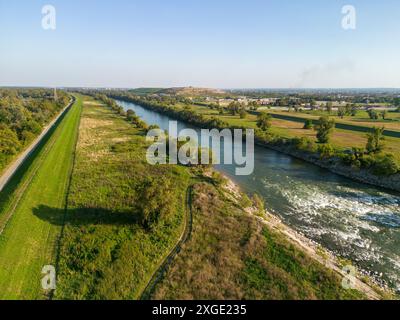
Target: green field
290, 129
392, 121
105, 251
28, 242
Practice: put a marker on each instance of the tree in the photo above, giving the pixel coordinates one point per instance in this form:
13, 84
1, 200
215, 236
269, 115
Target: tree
354, 111
234, 107
264, 121
329, 107
253, 105
9, 143
373, 115
156, 200
324, 129
348, 109
308, 124
341, 112
130, 115
375, 140
386, 165
384, 114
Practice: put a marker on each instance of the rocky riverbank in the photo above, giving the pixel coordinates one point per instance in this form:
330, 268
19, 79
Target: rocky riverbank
361, 280
334, 165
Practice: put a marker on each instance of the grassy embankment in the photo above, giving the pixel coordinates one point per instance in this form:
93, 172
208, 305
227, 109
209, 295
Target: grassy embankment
23, 115
106, 252
27, 242
232, 255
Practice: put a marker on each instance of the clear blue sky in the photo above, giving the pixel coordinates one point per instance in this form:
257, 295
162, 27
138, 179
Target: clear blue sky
219, 43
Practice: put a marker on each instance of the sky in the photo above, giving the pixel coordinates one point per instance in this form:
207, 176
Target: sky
207, 43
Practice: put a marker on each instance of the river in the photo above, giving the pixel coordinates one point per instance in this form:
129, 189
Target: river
353, 220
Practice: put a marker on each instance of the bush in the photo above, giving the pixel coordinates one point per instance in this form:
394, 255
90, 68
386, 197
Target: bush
245, 201
153, 127
354, 158
386, 165
308, 124
243, 114
326, 151
156, 200
304, 144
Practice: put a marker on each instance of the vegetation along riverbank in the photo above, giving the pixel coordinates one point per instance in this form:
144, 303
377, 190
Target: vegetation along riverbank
230, 253
369, 164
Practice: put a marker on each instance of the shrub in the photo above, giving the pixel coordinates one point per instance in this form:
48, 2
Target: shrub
326, 151
156, 200
153, 127
243, 114
354, 158
308, 124
245, 201
386, 165
304, 144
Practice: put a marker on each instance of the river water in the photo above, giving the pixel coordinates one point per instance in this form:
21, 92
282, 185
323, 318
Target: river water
354, 220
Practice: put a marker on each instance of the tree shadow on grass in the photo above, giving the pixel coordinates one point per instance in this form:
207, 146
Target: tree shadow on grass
85, 216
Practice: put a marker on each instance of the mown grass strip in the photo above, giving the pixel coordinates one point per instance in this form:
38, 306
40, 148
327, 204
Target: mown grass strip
28, 241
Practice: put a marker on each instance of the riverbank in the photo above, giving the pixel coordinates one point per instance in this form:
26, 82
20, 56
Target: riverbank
333, 164
360, 281
236, 252
231, 254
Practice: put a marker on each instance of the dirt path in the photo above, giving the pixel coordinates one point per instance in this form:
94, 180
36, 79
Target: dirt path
166, 262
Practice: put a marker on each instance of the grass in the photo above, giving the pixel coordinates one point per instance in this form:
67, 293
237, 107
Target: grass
361, 119
105, 252
341, 138
231, 255
28, 242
